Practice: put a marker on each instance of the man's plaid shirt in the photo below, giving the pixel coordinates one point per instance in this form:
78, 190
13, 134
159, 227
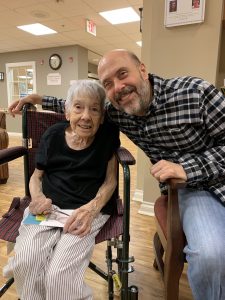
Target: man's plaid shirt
185, 124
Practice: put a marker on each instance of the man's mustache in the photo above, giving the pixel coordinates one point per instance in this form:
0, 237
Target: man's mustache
124, 92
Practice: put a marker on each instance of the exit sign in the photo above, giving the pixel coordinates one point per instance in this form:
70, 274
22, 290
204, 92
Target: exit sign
91, 27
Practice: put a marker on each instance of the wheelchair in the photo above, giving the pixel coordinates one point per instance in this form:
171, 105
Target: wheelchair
116, 229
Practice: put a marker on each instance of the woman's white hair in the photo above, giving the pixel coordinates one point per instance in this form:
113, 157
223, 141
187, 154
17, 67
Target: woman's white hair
88, 88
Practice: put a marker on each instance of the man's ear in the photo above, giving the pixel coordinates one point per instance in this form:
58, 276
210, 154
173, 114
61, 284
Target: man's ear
143, 71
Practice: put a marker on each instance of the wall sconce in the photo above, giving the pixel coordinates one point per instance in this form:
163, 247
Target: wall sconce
1, 76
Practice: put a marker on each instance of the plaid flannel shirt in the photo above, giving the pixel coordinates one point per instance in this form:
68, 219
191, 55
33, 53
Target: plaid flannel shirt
185, 124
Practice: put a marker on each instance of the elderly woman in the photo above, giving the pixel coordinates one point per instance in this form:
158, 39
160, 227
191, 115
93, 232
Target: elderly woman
75, 169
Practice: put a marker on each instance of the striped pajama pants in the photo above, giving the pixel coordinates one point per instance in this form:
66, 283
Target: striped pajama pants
50, 265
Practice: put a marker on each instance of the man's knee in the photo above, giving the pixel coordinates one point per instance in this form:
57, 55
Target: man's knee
209, 260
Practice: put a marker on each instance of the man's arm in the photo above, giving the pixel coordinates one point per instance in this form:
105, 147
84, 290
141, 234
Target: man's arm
80, 221
208, 165
39, 203
53, 103
16, 107
47, 102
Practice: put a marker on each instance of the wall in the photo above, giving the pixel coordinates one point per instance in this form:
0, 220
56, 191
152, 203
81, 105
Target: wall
221, 64
221, 71
176, 51
183, 50
75, 68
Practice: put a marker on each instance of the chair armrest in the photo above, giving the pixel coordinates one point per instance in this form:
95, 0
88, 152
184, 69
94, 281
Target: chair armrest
176, 183
175, 234
11, 153
125, 157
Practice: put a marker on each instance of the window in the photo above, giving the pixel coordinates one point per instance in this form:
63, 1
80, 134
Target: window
21, 80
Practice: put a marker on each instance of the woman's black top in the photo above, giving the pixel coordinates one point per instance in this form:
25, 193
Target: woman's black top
72, 177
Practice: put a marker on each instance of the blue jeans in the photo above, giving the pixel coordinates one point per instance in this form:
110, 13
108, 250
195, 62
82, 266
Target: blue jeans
203, 219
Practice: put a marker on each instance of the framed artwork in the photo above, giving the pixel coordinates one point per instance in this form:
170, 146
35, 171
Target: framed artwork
183, 12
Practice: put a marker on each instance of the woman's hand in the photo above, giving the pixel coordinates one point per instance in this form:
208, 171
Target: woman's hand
79, 223
164, 170
41, 205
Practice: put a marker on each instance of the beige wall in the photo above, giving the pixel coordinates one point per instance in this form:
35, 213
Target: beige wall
182, 50
176, 51
221, 69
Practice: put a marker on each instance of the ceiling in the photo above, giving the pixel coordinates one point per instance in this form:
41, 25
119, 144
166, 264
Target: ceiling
67, 17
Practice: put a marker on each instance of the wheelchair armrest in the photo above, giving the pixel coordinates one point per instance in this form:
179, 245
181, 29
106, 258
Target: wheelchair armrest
11, 153
125, 157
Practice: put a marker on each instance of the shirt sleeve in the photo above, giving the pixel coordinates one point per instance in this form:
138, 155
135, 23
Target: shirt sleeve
209, 165
53, 104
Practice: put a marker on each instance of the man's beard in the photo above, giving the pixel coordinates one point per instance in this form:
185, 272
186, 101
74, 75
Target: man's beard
140, 102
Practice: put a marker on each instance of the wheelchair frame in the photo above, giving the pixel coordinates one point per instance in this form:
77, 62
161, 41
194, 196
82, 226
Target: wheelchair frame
123, 259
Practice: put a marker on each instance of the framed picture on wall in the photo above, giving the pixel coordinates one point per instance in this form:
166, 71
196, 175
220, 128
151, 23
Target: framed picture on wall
180, 12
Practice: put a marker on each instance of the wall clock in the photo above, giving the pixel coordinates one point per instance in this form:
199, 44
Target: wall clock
55, 61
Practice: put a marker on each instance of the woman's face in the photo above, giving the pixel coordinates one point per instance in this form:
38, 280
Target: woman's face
85, 116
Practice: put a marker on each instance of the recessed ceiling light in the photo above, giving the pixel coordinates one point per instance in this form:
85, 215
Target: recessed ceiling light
139, 43
122, 15
37, 29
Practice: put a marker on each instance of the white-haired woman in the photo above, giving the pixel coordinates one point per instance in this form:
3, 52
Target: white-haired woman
75, 169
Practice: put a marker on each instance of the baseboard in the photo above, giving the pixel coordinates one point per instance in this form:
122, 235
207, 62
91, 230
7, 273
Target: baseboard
146, 208
15, 134
138, 195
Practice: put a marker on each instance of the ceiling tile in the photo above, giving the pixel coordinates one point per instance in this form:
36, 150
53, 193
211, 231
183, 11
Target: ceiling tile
68, 18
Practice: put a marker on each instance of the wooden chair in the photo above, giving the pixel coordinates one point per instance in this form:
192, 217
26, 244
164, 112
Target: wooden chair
169, 240
116, 229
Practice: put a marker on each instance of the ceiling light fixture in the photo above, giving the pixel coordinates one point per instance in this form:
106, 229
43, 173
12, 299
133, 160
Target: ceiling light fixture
37, 29
120, 16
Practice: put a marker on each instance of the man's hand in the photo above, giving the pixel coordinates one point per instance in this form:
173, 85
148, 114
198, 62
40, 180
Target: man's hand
40, 206
164, 170
16, 107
